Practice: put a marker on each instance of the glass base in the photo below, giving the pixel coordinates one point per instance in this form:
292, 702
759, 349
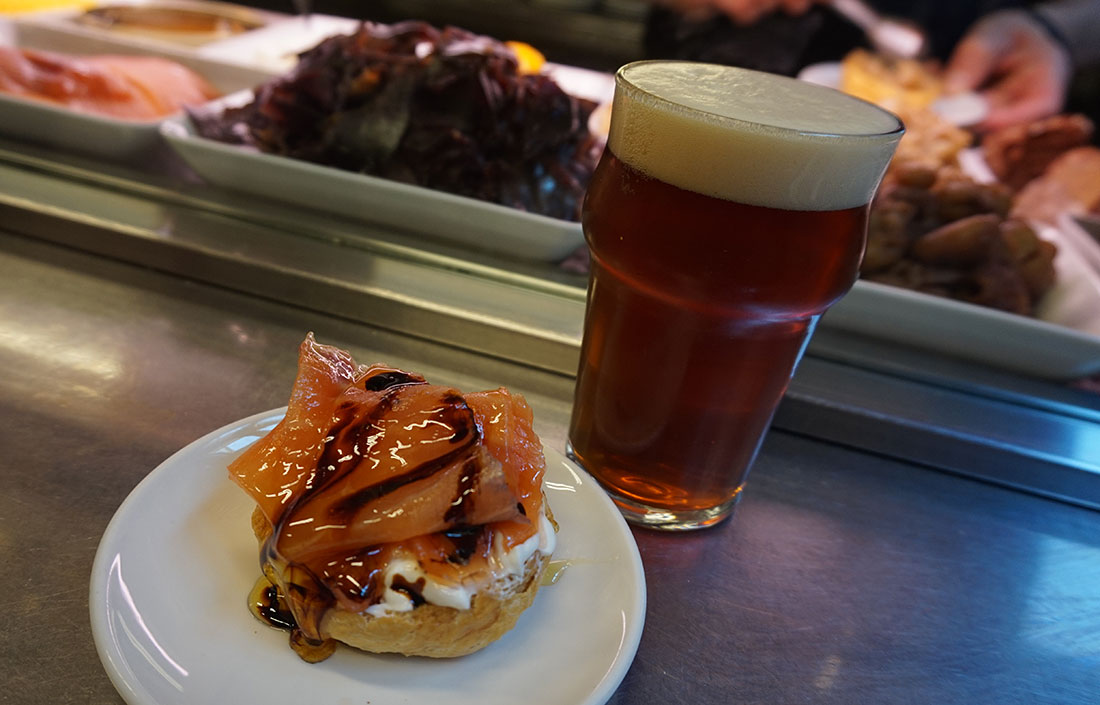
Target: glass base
663, 518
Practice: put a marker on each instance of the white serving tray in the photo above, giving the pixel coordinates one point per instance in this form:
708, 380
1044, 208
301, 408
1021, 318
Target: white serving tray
66, 20
275, 48
415, 210
962, 109
1083, 233
61, 128
1061, 343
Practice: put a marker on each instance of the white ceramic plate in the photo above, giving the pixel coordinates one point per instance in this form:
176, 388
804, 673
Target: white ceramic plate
68, 21
61, 128
1083, 234
111, 138
419, 211
276, 47
173, 570
1061, 343
962, 109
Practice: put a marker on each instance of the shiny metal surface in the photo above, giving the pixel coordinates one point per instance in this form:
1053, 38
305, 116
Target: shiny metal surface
110, 369
1011, 444
870, 395
344, 269
139, 310
844, 577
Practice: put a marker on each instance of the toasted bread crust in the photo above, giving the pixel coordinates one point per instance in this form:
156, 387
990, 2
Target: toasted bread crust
432, 630
436, 631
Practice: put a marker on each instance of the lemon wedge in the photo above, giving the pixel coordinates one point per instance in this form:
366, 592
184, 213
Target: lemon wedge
530, 59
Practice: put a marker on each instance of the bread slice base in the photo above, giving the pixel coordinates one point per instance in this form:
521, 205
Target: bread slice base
431, 630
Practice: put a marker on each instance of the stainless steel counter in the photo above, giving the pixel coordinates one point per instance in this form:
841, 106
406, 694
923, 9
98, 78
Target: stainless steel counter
849, 574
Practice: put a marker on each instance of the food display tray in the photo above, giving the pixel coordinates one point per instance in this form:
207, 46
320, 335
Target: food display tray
414, 210
236, 65
1062, 342
1083, 233
158, 36
276, 47
110, 138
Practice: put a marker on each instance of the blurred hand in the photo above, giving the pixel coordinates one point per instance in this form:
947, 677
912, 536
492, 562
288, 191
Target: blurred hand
743, 12
1012, 60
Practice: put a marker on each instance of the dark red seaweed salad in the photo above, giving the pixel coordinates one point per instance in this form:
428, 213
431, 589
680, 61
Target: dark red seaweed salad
445, 109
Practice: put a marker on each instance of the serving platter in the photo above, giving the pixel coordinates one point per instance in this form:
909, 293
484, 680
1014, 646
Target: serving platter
419, 211
1082, 232
61, 128
169, 588
962, 109
275, 48
156, 33
1062, 342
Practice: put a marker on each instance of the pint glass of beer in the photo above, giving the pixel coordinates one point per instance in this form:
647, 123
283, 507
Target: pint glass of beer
728, 212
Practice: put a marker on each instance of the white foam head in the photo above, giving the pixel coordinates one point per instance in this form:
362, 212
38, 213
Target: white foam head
750, 137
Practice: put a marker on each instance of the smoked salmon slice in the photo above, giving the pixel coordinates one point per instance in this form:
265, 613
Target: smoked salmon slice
370, 462
374, 455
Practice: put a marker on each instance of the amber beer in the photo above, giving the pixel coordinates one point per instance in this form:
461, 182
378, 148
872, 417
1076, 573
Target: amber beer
728, 212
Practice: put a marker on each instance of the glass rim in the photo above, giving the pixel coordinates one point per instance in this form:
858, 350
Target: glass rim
899, 129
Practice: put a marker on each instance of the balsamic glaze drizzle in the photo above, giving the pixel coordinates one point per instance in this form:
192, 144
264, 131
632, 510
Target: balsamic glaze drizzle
385, 380
465, 540
414, 591
268, 605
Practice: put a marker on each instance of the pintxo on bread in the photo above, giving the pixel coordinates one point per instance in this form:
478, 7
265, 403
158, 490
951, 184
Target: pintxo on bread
395, 515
